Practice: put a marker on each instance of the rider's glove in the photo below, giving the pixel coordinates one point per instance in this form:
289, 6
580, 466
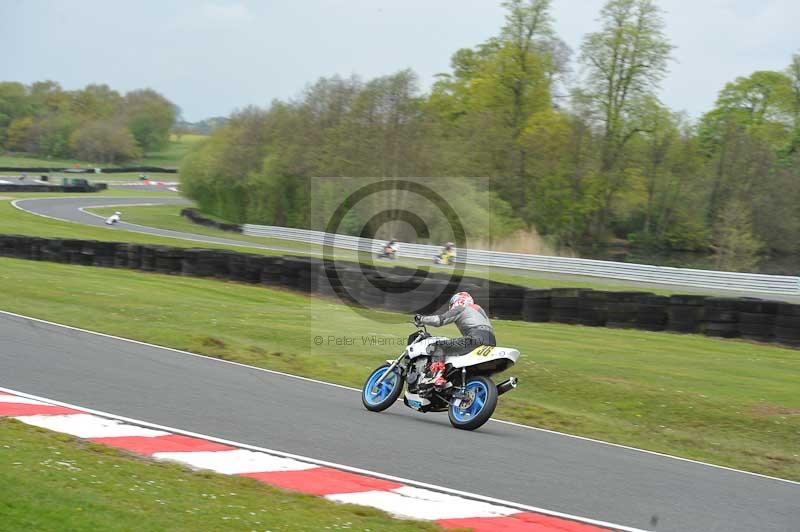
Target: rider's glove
418, 319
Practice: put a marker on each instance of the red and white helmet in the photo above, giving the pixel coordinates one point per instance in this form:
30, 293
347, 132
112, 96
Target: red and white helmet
461, 299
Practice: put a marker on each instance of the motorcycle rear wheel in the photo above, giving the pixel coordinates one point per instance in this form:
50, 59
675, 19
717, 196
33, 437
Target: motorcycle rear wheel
483, 394
382, 397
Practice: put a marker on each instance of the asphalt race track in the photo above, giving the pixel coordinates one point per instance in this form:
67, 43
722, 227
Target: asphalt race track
518, 464
68, 208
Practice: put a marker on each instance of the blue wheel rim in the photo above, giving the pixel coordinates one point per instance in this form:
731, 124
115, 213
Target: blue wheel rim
462, 415
374, 395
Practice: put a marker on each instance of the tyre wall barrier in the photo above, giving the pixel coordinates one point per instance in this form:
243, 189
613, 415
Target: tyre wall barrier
405, 290
194, 216
52, 188
72, 170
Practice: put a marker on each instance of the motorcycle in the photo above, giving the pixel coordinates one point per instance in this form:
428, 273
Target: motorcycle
113, 219
446, 257
388, 253
469, 396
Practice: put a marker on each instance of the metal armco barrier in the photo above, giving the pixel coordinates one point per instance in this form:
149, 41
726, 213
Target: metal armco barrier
748, 282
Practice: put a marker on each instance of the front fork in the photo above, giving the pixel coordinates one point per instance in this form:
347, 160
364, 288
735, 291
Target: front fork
389, 370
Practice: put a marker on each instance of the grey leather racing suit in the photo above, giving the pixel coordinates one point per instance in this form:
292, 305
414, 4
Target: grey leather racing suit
472, 322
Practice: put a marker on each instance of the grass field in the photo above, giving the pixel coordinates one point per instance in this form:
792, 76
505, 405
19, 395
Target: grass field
24, 160
170, 156
53, 482
176, 151
727, 402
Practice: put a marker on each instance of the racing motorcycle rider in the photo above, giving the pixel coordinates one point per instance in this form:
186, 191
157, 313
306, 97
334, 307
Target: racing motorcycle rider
114, 218
472, 322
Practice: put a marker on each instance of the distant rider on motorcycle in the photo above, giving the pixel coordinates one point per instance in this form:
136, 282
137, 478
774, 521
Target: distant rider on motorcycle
472, 322
390, 249
114, 218
447, 255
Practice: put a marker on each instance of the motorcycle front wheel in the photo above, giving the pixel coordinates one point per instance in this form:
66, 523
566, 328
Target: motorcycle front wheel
477, 407
380, 397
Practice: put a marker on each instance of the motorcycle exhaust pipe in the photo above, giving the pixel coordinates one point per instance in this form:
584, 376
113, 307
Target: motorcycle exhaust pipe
506, 386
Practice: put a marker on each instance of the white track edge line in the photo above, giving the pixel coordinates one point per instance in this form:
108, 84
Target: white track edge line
324, 463
188, 239
230, 242
342, 386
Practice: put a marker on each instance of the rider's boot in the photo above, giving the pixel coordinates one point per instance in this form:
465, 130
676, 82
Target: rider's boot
436, 375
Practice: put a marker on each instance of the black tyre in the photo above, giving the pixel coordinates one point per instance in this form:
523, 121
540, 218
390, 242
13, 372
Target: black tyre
788, 333
687, 300
755, 329
722, 316
788, 322
723, 303
686, 313
758, 306
537, 316
789, 309
721, 330
755, 318
377, 399
479, 407
537, 294
683, 326
564, 302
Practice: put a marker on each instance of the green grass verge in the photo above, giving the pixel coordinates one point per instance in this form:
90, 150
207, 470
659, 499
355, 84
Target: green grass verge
175, 151
728, 402
56, 482
24, 160
171, 155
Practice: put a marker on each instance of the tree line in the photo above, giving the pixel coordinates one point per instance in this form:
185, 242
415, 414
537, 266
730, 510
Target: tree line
579, 149
96, 123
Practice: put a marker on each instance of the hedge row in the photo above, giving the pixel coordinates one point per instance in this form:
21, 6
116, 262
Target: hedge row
399, 289
195, 216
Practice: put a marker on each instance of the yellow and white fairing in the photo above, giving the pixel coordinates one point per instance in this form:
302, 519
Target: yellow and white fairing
484, 354
483, 359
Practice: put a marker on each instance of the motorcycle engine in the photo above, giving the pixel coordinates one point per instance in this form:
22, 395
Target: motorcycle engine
415, 371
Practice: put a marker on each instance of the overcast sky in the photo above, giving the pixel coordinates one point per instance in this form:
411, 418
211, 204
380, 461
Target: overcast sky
213, 56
